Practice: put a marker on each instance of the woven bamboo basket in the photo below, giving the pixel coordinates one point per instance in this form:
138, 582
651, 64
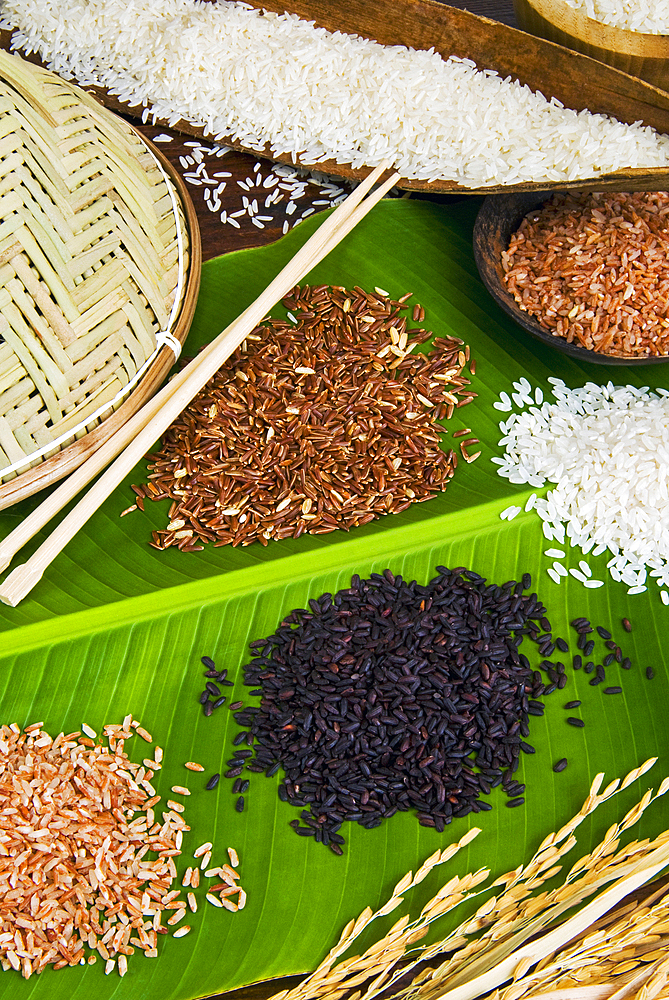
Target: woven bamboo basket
99, 273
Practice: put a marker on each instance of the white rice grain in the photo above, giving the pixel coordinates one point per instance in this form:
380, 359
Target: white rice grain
605, 449
650, 17
263, 79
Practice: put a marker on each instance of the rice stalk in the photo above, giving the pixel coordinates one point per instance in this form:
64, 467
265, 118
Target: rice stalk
520, 943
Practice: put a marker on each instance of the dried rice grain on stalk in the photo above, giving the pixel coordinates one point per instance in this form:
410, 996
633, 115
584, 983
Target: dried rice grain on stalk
76, 823
528, 940
327, 423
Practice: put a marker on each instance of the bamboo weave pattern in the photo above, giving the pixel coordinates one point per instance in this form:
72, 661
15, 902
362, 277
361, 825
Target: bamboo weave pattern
88, 257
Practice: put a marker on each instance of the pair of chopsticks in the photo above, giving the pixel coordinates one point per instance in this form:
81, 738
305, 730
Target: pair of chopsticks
133, 440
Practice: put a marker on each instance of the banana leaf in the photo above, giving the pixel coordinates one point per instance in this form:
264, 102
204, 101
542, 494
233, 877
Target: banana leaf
116, 627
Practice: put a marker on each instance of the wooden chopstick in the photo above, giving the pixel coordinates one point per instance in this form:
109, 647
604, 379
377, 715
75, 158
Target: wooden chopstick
133, 440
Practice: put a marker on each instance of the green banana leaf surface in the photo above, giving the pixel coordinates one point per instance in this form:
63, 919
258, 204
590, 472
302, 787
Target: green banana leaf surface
117, 627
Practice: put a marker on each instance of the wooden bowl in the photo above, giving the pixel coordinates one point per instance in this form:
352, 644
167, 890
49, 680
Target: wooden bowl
498, 219
642, 55
576, 80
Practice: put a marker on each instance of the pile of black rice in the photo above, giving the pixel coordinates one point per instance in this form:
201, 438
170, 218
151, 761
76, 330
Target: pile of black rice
393, 696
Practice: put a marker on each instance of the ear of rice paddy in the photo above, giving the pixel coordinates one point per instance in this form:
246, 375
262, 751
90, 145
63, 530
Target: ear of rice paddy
260, 79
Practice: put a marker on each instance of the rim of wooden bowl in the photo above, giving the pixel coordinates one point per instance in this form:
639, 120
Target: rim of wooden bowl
596, 34
498, 218
71, 457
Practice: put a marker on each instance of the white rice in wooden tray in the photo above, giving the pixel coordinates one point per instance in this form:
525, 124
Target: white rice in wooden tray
650, 17
607, 450
262, 79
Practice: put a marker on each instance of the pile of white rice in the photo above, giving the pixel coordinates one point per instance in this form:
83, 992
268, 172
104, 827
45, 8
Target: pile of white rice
607, 450
650, 17
258, 78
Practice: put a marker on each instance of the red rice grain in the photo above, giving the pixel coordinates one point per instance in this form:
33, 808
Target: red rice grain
327, 423
75, 825
594, 269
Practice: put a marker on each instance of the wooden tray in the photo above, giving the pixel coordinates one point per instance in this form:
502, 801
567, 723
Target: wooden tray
578, 81
64, 462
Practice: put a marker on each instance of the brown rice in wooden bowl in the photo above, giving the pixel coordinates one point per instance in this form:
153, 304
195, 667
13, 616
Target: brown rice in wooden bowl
585, 272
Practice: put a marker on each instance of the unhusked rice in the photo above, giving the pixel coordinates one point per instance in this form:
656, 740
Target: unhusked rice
258, 78
76, 821
650, 17
605, 448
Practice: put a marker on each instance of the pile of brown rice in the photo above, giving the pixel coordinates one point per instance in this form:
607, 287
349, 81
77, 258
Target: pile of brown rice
77, 821
594, 269
327, 421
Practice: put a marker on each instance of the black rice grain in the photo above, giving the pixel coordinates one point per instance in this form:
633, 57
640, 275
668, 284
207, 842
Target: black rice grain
604, 632
512, 803
213, 689
560, 765
613, 690
589, 647
626, 625
213, 781
392, 696
608, 659
208, 662
237, 787
562, 645
572, 704
239, 804
208, 708
650, 673
577, 663
244, 787
626, 663
579, 723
